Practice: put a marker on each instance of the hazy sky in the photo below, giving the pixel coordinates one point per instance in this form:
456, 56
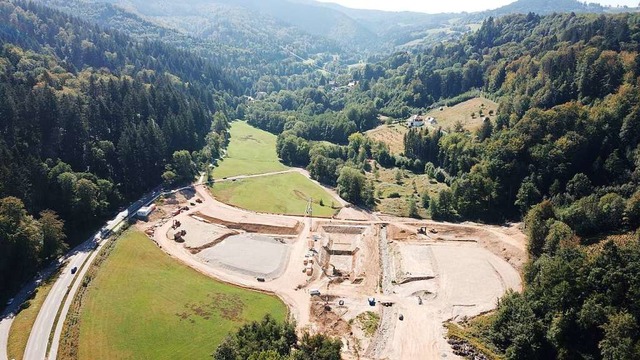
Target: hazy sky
436, 6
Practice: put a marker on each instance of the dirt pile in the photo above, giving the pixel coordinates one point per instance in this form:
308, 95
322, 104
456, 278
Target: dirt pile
253, 228
327, 320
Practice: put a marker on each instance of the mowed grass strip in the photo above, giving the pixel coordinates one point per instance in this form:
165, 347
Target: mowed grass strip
145, 305
277, 194
22, 324
251, 151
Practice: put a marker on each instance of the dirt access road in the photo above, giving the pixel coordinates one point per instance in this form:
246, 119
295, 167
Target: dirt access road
470, 267
285, 286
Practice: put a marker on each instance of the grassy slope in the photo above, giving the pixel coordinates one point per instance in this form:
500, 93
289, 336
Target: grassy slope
251, 151
278, 194
448, 117
22, 324
386, 184
475, 333
392, 135
145, 305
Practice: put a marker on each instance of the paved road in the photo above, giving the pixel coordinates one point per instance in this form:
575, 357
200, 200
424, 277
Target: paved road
39, 337
41, 332
7, 317
55, 342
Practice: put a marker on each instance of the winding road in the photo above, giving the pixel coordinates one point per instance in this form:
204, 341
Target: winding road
65, 287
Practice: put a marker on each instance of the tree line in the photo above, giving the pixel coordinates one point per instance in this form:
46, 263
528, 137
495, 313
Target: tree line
90, 119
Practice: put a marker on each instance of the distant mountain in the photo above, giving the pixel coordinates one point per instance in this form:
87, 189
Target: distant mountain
398, 28
271, 18
544, 7
246, 43
258, 32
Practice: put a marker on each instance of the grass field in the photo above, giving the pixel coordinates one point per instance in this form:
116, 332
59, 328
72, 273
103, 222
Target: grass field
145, 305
448, 117
22, 324
410, 185
251, 151
277, 194
392, 135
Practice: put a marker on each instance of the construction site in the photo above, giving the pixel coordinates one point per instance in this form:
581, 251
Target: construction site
384, 285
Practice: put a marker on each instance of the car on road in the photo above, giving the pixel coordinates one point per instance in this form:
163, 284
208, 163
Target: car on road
74, 270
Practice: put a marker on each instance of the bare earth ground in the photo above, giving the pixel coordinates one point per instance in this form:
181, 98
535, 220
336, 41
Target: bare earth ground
459, 270
202, 234
257, 256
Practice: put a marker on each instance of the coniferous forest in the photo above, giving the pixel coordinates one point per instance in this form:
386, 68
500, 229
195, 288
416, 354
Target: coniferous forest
90, 118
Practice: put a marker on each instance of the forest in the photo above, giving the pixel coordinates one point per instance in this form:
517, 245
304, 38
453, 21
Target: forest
562, 152
92, 117
89, 119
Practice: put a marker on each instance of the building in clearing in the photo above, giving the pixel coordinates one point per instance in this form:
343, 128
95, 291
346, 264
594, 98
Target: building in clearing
415, 121
145, 211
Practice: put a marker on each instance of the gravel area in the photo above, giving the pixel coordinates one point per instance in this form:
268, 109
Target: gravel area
248, 254
200, 233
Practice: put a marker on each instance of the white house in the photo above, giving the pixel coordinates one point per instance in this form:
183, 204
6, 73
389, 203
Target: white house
144, 212
415, 121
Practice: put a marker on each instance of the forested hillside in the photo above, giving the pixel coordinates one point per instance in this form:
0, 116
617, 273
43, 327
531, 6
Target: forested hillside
91, 117
261, 52
562, 152
88, 119
565, 138
567, 105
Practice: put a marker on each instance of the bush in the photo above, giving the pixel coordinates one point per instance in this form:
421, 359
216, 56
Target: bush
394, 195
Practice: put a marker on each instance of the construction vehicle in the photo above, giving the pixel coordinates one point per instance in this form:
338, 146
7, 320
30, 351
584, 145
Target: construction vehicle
179, 236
